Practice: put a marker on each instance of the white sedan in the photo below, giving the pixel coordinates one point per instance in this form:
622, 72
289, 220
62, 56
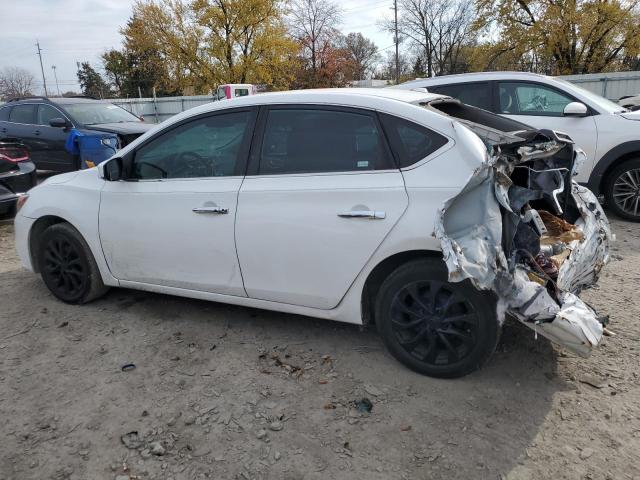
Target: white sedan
430, 218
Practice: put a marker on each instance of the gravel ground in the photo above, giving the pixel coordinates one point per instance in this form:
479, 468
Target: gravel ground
228, 392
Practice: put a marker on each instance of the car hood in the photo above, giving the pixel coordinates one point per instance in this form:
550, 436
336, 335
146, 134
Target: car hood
631, 115
124, 128
541, 237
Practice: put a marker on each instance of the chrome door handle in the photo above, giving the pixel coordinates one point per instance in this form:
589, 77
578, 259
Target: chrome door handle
374, 215
218, 210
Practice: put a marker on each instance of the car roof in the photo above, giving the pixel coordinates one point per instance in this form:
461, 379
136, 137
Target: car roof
470, 77
56, 100
355, 96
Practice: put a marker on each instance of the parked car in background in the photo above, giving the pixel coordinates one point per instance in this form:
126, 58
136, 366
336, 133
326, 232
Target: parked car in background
632, 102
607, 132
382, 206
17, 174
235, 90
43, 125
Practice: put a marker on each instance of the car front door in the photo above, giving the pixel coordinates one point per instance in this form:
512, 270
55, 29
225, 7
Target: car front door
542, 106
172, 223
321, 195
51, 153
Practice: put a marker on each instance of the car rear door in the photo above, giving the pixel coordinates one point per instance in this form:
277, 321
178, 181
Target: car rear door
172, 224
21, 124
542, 106
321, 195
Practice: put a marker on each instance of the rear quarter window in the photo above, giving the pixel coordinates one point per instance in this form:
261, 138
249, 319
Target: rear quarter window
411, 142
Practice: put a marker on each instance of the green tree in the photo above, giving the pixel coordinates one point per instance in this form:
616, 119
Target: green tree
91, 83
559, 36
204, 43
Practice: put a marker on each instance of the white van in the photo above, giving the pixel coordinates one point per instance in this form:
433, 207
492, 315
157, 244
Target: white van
234, 90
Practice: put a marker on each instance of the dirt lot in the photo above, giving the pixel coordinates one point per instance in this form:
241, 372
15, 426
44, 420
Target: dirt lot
227, 392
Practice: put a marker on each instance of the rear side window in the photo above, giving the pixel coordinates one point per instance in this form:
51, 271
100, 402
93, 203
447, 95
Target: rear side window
476, 94
317, 140
23, 114
412, 142
4, 114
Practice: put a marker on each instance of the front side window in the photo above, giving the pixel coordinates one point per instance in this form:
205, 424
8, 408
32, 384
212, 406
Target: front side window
23, 114
520, 98
316, 141
476, 94
47, 113
241, 92
411, 141
206, 147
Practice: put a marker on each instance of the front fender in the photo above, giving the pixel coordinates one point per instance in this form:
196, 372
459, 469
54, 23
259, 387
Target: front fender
597, 175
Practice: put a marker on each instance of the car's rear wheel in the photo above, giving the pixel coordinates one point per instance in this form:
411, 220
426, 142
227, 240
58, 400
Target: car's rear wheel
622, 190
67, 265
432, 326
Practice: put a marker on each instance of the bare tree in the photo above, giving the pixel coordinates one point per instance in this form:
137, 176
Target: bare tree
362, 54
15, 82
438, 31
313, 24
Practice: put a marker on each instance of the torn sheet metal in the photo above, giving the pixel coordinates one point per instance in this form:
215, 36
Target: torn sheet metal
486, 237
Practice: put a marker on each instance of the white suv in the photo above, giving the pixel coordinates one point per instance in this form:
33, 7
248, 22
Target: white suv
608, 133
426, 216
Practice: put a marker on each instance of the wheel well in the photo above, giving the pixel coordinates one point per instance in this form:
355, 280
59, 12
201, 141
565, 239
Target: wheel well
36, 233
381, 272
618, 161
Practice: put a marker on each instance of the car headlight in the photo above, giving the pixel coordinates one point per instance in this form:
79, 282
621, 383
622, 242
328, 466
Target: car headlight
110, 142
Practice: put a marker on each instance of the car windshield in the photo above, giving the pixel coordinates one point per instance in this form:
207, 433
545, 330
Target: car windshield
605, 104
98, 112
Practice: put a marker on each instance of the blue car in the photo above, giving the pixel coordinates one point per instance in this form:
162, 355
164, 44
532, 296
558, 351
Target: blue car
65, 134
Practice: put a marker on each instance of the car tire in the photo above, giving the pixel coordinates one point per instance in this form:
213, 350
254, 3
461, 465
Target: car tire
432, 326
67, 265
622, 190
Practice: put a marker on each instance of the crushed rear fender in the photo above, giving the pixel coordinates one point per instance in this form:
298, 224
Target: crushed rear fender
524, 230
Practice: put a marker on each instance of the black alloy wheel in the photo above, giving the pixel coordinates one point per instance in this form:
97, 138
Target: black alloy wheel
67, 265
432, 326
433, 323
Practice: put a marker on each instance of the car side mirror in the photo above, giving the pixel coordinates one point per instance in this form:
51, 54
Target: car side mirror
59, 122
575, 109
113, 170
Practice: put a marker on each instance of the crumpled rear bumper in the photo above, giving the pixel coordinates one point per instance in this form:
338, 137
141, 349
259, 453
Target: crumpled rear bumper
473, 228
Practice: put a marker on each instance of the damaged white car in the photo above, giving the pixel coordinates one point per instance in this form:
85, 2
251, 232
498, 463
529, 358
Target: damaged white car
432, 219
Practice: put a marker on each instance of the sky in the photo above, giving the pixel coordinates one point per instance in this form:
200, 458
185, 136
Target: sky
71, 31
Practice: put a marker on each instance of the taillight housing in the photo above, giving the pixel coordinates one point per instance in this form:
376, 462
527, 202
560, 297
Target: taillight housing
14, 154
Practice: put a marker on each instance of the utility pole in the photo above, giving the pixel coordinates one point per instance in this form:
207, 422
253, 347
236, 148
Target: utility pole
395, 12
55, 75
44, 80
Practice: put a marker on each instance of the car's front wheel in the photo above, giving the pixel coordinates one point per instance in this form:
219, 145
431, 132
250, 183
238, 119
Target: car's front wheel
432, 326
622, 190
67, 265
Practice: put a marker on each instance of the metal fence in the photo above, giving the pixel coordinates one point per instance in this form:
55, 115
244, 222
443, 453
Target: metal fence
158, 109
609, 85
